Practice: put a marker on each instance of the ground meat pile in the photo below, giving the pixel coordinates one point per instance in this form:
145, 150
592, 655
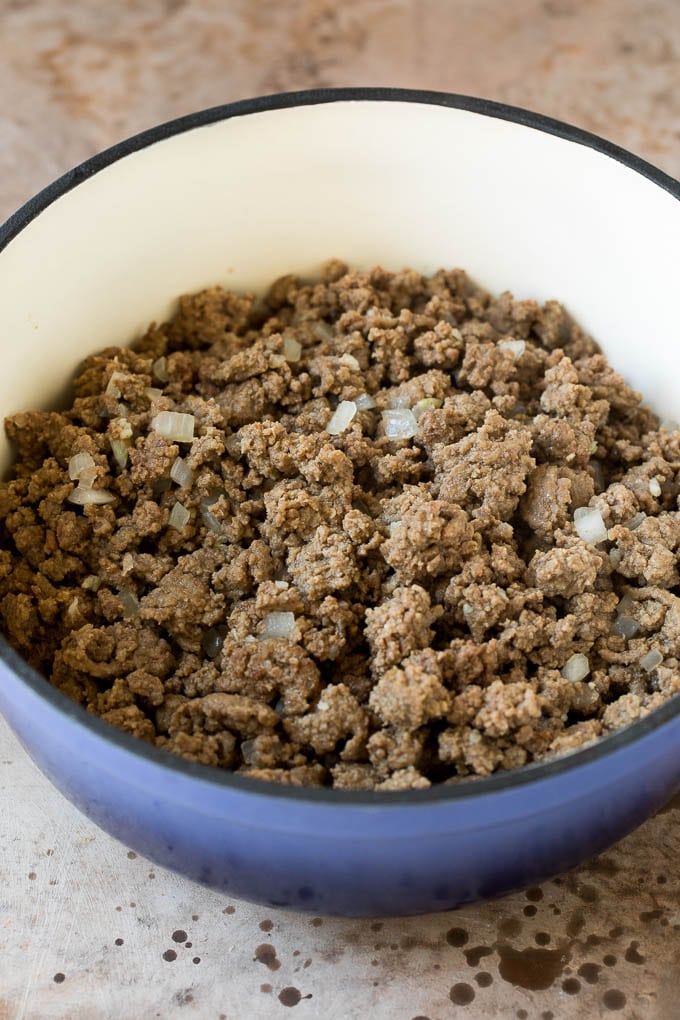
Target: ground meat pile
373, 532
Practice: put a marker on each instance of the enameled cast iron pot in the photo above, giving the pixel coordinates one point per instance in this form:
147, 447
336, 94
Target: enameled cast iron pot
240, 195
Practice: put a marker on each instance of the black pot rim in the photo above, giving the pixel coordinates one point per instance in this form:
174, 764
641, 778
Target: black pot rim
503, 781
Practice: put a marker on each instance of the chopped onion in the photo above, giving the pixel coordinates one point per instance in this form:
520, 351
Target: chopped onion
516, 347
128, 563
282, 585
393, 525
78, 463
341, 418
277, 360
112, 389
654, 487
174, 425
179, 517
590, 525
212, 643
625, 627
651, 660
615, 556
88, 477
625, 605
576, 668
160, 369
211, 522
292, 349
181, 473
153, 393
634, 523
400, 400
350, 361
426, 404
399, 423
130, 603
119, 449
322, 331
364, 402
278, 625
91, 582
83, 496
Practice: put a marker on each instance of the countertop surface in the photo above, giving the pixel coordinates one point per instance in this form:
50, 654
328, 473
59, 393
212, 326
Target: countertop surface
87, 928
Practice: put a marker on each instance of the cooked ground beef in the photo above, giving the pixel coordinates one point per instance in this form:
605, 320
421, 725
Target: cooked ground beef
369, 566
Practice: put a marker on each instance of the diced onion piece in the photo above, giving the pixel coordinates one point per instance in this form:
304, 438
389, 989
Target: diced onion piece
82, 496
160, 369
625, 605
634, 523
399, 423
153, 393
399, 400
393, 525
654, 487
128, 563
292, 349
615, 556
212, 643
364, 402
179, 517
130, 603
576, 668
278, 625
651, 660
589, 525
181, 473
119, 449
211, 522
426, 404
78, 463
350, 361
322, 330
112, 388
341, 418
282, 585
174, 425
516, 347
91, 582
87, 477
277, 360
625, 627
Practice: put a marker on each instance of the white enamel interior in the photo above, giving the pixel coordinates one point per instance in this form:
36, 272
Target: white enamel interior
402, 184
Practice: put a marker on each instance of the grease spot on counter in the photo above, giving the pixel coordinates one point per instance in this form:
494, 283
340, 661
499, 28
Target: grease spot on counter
179, 935
377, 926
614, 999
196, 959
59, 977
521, 1014
547, 1014
32, 875
169, 955
266, 954
266, 925
541, 938
462, 994
571, 986
229, 910
575, 924
510, 927
457, 937
590, 972
266, 989
609, 960
535, 895
632, 955
194, 917
316, 922
530, 910
484, 979
118, 942
132, 856
614, 933
531, 968
475, 954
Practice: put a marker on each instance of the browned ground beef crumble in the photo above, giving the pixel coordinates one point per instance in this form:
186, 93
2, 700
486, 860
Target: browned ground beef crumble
438, 585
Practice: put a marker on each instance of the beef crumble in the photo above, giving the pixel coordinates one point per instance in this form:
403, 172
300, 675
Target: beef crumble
374, 532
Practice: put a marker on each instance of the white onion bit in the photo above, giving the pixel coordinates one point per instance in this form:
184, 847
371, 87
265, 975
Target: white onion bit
212, 643
634, 523
426, 404
160, 369
651, 660
654, 487
130, 604
87, 477
292, 349
78, 463
364, 402
625, 627
112, 388
516, 347
399, 401
399, 423
615, 556
576, 668
341, 418
179, 517
350, 361
174, 425
625, 605
153, 393
119, 449
278, 625
83, 496
91, 582
181, 473
589, 525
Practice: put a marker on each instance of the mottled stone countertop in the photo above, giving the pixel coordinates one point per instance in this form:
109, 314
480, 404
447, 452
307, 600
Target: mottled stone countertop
87, 928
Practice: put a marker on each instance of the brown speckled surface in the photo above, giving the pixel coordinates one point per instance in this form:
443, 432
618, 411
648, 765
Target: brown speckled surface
89, 930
